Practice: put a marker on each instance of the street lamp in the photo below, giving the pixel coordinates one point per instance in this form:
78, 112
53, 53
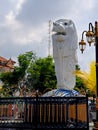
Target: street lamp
92, 37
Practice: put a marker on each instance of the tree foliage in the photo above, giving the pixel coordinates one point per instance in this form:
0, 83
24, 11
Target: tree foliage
32, 72
11, 79
42, 74
79, 86
88, 78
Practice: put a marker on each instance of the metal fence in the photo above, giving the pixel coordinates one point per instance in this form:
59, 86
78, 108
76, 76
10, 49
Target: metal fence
44, 112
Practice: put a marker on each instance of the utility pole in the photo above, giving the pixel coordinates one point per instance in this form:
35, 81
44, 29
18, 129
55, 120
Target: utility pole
49, 38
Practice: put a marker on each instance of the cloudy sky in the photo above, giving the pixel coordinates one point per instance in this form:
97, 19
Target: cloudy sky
24, 25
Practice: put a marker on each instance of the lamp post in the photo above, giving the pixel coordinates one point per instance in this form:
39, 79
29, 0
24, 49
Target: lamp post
92, 37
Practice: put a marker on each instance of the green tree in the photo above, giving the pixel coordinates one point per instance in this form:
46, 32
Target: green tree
11, 79
33, 72
42, 75
80, 87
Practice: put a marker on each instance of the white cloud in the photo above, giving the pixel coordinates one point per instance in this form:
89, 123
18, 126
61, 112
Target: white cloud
19, 5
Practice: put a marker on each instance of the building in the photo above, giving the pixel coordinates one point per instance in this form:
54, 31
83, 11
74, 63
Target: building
6, 65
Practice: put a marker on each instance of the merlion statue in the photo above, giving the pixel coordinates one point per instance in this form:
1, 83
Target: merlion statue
65, 41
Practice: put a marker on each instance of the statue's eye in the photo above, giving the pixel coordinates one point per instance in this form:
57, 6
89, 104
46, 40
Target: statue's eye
65, 23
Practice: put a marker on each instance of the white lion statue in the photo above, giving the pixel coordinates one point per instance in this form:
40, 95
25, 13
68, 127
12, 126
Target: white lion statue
65, 41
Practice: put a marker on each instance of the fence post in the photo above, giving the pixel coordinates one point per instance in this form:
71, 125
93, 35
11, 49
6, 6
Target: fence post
87, 111
36, 108
67, 112
76, 112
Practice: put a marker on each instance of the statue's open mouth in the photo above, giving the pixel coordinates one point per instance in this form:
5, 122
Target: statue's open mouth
60, 33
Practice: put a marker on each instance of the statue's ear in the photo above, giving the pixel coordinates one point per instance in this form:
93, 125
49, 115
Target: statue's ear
70, 22
54, 23
53, 28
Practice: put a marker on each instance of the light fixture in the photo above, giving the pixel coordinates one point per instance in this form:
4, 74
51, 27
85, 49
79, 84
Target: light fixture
82, 43
90, 36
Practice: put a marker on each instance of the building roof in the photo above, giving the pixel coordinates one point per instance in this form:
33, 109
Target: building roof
2, 58
6, 63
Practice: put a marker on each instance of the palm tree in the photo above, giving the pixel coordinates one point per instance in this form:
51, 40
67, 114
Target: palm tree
88, 78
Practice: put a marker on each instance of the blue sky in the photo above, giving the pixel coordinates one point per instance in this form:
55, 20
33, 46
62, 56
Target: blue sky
24, 25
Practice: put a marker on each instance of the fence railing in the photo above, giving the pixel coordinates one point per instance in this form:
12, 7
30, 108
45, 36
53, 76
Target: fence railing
44, 112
